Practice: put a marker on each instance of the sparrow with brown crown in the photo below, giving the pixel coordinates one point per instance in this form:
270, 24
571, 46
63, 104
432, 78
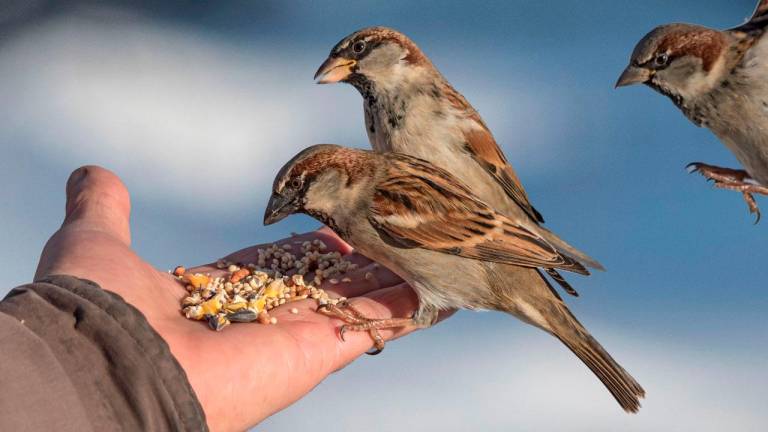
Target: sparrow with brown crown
719, 80
410, 108
419, 220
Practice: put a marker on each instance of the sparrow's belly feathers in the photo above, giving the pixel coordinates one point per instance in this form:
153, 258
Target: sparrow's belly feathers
441, 280
445, 281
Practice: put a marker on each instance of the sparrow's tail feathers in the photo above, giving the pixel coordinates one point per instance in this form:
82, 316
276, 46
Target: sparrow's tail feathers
620, 383
557, 277
568, 250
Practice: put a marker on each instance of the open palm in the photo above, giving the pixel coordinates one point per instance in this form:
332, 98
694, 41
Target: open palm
246, 372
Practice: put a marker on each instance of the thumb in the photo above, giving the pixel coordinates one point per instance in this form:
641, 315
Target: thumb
97, 200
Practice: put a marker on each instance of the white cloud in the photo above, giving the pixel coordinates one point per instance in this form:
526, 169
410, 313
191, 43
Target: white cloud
179, 113
175, 113
467, 375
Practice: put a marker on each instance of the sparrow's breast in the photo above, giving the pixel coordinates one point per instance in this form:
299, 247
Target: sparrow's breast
430, 130
737, 112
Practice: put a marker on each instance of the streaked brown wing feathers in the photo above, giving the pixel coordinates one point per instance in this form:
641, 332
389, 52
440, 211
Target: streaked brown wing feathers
484, 149
423, 206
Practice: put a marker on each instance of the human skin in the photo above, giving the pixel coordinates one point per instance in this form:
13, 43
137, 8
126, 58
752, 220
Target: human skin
247, 372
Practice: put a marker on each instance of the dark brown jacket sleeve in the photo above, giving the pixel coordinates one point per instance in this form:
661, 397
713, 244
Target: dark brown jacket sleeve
74, 357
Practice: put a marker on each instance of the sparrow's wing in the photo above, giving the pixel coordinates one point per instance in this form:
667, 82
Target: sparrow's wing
758, 21
420, 205
483, 148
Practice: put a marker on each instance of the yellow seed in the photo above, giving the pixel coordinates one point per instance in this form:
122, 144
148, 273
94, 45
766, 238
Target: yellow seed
211, 307
274, 288
197, 280
257, 305
236, 306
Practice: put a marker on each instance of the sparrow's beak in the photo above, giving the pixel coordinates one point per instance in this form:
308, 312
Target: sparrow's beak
278, 208
634, 75
334, 69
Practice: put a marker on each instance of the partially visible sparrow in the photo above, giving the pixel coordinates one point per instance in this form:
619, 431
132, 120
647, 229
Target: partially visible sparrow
452, 248
410, 108
719, 79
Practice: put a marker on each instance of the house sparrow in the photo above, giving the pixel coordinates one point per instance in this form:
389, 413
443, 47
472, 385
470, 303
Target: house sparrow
718, 79
410, 108
419, 220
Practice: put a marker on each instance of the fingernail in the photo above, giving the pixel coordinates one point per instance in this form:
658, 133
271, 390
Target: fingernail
74, 184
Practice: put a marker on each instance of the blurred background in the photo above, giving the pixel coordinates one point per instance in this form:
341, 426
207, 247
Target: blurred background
196, 105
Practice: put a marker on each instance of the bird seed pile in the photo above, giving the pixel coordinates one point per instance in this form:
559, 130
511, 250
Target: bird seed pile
248, 292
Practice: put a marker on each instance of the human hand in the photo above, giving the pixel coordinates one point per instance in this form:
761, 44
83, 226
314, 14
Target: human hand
247, 372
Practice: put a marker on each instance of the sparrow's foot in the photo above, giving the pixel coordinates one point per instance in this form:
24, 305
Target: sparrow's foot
718, 174
356, 321
731, 179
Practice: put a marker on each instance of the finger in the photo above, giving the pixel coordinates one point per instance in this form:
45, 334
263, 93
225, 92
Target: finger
97, 200
361, 281
338, 243
331, 240
358, 259
398, 301
95, 236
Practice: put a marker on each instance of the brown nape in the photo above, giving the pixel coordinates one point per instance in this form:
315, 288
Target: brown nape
385, 34
355, 163
703, 43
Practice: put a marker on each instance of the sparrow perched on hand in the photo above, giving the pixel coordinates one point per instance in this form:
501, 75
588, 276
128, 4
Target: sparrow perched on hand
451, 247
719, 79
410, 108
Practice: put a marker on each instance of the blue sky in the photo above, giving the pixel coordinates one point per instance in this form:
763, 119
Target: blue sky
196, 107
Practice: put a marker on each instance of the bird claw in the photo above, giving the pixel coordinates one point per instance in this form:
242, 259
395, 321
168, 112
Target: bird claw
342, 330
693, 167
753, 208
731, 179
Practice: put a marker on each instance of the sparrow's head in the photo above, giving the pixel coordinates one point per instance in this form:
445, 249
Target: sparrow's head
681, 61
319, 181
373, 54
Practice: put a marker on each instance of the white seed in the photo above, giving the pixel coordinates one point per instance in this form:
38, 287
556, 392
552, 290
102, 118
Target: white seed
294, 311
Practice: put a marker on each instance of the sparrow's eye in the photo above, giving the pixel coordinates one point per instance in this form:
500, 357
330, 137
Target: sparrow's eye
358, 47
296, 183
661, 59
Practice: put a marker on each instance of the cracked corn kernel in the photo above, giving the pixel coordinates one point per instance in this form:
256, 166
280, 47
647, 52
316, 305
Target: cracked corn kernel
249, 291
197, 280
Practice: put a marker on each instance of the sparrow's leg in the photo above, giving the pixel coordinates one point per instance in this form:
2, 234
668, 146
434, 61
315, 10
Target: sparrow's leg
355, 321
731, 179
